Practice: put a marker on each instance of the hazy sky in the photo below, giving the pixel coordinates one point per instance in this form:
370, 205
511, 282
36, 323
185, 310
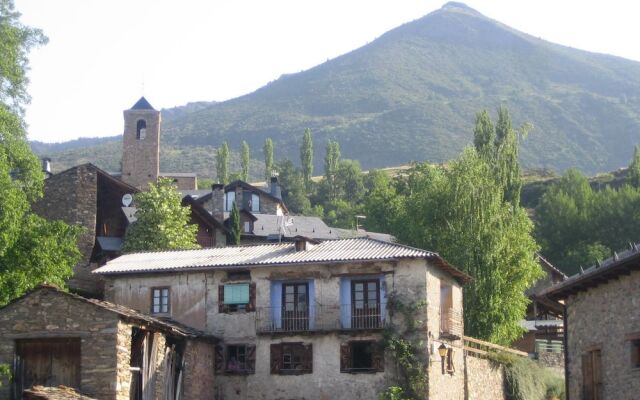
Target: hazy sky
103, 55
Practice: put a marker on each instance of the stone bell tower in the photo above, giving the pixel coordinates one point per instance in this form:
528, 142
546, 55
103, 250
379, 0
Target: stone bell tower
141, 145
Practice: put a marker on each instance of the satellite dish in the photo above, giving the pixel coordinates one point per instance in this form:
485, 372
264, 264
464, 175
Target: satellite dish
127, 199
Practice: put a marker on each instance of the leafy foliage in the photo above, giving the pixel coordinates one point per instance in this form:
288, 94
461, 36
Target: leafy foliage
306, 157
162, 223
5, 373
245, 161
234, 225
222, 164
526, 380
633, 176
267, 150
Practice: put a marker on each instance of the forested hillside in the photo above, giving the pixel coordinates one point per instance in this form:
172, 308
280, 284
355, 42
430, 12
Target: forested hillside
411, 95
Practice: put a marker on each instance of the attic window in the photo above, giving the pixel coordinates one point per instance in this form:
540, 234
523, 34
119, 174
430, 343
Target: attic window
141, 129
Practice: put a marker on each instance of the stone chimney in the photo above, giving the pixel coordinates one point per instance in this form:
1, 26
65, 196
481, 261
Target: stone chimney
304, 243
217, 201
46, 165
276, 191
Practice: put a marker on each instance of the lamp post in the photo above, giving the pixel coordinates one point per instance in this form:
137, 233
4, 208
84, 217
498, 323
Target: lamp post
442, 350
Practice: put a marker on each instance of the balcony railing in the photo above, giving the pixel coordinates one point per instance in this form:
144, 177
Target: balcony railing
319, 317
451, 323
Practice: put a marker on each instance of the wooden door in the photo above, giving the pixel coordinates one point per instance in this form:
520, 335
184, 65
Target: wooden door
295, 306
48, 362
365, 304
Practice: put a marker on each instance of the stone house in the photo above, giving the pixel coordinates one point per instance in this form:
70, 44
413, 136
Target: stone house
303, 319
91, 198
602, 328
103, 350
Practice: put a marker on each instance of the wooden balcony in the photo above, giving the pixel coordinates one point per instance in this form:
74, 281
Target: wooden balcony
451, 324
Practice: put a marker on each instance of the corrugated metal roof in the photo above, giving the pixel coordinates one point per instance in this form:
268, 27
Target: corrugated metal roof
344, 250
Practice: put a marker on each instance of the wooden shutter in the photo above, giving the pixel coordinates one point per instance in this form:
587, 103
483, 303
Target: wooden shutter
307, 358
221, 299
378, 357
345, 357
218, 360
251, 358
276, 358
450, 366
587, 377
252, 297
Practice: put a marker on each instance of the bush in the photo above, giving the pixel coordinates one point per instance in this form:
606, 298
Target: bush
526, 380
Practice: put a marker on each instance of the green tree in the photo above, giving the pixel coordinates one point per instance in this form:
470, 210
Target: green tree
245, 161
33, 250
331, 161
222, 164
306, 157
484, 135
268, 159
349, 182
382, 203
162, 222
294, 193
234, 225
633, 175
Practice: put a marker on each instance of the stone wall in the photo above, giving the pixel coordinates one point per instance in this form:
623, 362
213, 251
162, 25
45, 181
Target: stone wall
72, 196
484, 380
47, 314
604, 318
141, 157
199, 381
553, 360
183, 181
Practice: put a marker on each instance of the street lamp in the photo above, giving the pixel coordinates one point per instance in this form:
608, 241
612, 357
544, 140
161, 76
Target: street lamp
442, 350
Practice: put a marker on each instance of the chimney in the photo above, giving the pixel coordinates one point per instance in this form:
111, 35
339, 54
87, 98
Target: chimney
276, 191
217, 201
46, 165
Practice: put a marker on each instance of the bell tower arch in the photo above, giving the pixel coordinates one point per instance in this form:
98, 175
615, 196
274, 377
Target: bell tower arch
141, 145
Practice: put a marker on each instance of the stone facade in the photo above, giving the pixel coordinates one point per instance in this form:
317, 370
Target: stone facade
199, 382
195, 303
183, 181
485, 379
605, 317
72, 196
141, 147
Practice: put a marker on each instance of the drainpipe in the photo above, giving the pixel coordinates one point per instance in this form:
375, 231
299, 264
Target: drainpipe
566, 351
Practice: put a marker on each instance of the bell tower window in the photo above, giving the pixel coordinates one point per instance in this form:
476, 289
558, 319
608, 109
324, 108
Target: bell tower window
141, 129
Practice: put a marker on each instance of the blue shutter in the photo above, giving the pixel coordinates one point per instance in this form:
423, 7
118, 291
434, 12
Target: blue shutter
345, 303
276, 304
312, 304
236, 293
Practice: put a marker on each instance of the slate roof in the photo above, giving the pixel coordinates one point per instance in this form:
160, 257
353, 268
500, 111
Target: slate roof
330, 251
611, 268
164, 325
108, 243
142, 104
313, 227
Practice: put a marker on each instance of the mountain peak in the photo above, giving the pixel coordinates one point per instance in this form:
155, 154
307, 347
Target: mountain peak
456, 6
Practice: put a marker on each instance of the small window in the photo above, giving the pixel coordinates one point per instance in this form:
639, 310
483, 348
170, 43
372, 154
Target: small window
229, 199
291, 358
235, 359
255, 202
141, 129
361, 356
635, 353
247, 226
234, 297
160, 300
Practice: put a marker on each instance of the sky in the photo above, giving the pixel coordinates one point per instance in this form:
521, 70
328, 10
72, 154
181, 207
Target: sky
103, 55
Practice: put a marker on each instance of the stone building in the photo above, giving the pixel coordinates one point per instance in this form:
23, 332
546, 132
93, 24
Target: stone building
103, 350
89, 197
303, 320
602, 325
141, 149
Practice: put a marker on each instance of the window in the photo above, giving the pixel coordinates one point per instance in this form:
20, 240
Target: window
361, 356
141, 129
592, 375
446, 309
234, 297
365, 304
247, 226
635, 353
160, 300
295, 306
229, 199
291, 358
255, 202
235, 359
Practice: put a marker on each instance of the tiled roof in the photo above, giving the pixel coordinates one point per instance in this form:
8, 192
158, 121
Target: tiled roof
330, 251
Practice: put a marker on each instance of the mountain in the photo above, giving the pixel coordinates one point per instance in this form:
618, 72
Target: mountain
412, 94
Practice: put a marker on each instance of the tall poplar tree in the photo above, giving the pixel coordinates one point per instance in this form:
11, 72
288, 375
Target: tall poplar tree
222, 164
306, 157
234, 225
331, 162
245, 161
268, 159
633, 175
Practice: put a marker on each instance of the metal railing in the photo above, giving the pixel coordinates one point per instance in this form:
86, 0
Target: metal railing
451, 322
318, 317
549, 346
